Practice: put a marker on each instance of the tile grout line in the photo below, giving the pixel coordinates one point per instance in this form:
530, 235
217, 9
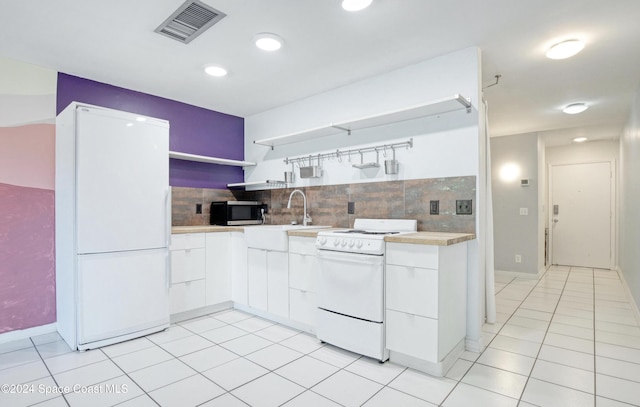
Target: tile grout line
48, 370
546, 332
485, 348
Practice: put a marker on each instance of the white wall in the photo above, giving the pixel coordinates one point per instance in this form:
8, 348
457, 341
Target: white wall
444, 146
515, 233
629, 216
447, 145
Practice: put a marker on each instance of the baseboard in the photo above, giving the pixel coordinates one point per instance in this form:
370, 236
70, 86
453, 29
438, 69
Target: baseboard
29, 332
519, 274
200, 312
627, 290
474, 345
434, 369
275, 318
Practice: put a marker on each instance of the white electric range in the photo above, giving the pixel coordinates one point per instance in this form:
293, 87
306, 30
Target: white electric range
351, 285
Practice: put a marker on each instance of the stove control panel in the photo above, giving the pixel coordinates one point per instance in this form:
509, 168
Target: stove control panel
351, 244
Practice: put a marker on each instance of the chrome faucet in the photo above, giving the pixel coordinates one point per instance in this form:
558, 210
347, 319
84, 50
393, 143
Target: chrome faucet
305, 218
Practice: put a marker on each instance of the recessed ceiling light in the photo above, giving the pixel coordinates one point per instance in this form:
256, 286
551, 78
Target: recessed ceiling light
575, 108
580, 139
565, 49
355, 5
268, 41
215, 70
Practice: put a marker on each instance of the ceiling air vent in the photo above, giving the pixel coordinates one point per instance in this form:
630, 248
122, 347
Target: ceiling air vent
190, 20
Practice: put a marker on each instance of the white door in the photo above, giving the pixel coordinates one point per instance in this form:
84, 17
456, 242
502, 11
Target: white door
121, 293
122, 181
581, 214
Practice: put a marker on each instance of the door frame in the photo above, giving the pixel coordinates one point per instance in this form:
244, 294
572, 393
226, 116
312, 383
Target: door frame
613, 204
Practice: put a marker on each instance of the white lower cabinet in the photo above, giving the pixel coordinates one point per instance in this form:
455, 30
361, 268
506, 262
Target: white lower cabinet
186, 296
257, 278
303, 276
268, 281
278, 283
239, 289
426, 291
188, 270
219, 263
203, 267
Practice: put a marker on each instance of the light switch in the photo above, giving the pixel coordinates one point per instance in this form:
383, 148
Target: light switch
524, 211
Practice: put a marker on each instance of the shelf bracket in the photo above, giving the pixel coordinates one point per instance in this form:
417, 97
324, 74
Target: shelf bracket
343, 129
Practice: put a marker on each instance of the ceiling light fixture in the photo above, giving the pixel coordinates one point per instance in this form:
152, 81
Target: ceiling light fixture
575, 108
215, 70
580, 139
268, 41
565, 49
355, 5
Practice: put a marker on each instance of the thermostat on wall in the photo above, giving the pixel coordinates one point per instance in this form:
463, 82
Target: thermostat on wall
524, 182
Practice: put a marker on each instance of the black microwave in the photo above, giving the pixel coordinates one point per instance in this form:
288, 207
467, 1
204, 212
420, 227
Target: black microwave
233, 213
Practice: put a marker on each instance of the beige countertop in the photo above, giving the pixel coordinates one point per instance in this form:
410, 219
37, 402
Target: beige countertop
205, 229
309, 232
431, 238
427, 238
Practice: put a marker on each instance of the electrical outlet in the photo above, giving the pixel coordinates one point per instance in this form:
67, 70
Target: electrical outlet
524, 211
198, 208
518, 258
463, 207
351, 208
434, 207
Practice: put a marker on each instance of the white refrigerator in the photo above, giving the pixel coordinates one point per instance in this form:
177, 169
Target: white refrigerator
112, 207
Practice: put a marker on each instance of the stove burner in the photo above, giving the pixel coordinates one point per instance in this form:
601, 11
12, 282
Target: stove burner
366, 232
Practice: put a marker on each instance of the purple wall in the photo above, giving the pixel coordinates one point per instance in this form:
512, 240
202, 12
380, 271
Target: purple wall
193, 129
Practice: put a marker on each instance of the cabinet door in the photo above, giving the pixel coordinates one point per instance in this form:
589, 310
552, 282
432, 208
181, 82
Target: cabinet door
303, 245
412, 335
187, 265
412, 290
186, 296
413, 255
303, 272
218, 269
278, 283
257, 278
302, 307
239, 288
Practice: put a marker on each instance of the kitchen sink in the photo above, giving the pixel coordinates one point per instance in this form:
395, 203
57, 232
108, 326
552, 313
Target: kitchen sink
273, 237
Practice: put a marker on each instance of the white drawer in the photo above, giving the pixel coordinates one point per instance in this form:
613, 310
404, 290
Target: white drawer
302, 306
414, 255
303, 272
303, 245
412, 335
187, 265
184, 241
186, 296
413, 290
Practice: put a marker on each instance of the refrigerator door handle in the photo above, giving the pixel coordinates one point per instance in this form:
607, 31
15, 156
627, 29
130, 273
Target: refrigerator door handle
167, 271
167, 217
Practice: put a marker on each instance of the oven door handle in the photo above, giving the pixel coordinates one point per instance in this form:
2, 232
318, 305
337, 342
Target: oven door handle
349, 257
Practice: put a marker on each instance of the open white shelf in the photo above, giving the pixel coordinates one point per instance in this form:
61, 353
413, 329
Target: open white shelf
209, 160
256, 183
449, 104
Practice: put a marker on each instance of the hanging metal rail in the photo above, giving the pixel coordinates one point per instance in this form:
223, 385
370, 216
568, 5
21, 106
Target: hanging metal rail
339, 154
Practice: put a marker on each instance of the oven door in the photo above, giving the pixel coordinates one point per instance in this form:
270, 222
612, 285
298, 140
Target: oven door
351, 284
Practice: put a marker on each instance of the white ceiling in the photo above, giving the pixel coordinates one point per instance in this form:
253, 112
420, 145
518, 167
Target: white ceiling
326, 47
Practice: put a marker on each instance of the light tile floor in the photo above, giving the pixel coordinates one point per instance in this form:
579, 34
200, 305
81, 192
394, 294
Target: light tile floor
569, 339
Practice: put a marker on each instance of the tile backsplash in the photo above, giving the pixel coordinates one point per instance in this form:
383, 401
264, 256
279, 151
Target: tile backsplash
327, 205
